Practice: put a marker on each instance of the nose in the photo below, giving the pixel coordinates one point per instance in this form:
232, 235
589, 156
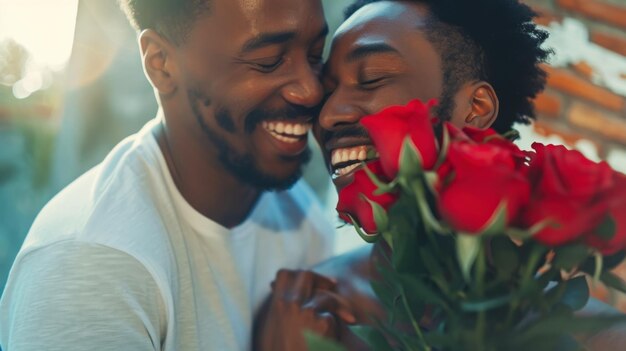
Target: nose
305, 89
339, 111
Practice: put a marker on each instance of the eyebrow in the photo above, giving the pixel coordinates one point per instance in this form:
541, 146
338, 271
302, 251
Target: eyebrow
365, 50
267, 39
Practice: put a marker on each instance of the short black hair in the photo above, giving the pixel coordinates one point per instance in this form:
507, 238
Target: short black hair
171, 18
491, 40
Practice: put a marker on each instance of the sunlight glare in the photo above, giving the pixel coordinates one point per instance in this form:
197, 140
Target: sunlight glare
44, 27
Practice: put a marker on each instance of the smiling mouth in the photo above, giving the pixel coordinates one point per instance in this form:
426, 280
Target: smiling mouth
287, 132
345, 160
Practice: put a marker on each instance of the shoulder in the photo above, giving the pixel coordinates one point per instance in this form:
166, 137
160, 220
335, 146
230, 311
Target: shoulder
78, 290
74, 265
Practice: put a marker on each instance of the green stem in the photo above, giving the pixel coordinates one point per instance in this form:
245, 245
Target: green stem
426, 214
536, 254
481, 323
599, 267
415, 324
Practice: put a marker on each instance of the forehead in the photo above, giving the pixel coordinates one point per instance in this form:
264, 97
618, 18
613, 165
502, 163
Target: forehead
390, 20
263, 15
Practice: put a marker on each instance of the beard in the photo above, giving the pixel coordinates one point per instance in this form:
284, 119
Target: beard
244, 166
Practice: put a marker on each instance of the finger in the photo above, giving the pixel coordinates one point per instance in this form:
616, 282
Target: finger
284, 279
321, 282
330, 302
302, 288
293, 286
331, 328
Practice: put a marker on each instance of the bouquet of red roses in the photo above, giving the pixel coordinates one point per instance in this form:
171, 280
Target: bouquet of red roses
489, 244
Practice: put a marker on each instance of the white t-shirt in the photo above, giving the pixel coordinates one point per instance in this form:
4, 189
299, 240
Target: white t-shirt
120, 261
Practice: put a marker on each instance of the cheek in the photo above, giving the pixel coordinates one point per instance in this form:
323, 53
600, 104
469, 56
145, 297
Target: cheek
390, 95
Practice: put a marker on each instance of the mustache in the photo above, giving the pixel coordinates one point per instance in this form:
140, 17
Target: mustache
352, 131
289, 112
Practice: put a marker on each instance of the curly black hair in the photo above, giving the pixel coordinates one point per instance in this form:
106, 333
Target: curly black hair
171, 18
491, 40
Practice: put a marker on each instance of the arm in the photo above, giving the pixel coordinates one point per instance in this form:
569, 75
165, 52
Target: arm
78, 296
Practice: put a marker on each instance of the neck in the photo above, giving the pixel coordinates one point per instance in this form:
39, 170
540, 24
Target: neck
202, 180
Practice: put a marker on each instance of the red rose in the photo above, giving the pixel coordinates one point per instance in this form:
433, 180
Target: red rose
499, 146
390, 127
569, 189
616, 202
352, 198
482, 176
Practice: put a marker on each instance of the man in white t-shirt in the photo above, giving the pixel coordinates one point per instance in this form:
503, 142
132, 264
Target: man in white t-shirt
172, 241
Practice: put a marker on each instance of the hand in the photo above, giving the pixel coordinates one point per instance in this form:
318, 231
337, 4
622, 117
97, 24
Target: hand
300, 300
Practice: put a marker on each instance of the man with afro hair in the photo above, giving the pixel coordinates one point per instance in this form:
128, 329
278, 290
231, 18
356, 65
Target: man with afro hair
480, 59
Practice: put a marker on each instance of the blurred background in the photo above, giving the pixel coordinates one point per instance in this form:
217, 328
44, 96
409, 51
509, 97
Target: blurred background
72, 86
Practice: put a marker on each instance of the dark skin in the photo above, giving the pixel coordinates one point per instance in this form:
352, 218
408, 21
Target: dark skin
267, 56
362, 77
380, 57
240, 57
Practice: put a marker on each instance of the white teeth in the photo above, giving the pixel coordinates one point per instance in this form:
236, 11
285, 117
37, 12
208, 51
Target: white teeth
345, 155
280, 127
284, 138
299, 129
354, 155
362, 155
345, 170
287, 129
357, 153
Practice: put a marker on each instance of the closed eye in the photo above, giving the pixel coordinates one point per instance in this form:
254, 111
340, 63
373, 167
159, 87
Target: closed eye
372, 83
267, 67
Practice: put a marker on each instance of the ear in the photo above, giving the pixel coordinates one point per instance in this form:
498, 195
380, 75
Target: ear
158, 61
477, 105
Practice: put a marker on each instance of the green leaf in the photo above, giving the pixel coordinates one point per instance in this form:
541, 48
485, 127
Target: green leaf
606, 231
613, 281
316, 342
372, 336
380, 215
382, 187
467, 248
405, 245
497, 223
518, 234
506, 256
487, 304
424, 207
571, 256
420, 292
576, 293
368, 238
410, 160
385, 293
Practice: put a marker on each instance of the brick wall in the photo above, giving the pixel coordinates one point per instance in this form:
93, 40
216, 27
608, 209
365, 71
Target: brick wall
585, 99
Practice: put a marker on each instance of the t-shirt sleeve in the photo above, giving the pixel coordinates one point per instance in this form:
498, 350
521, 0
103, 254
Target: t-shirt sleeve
80, 296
